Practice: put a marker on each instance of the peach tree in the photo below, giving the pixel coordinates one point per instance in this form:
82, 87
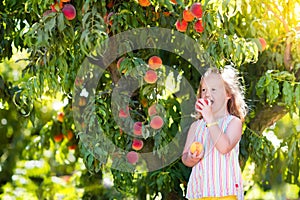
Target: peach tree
128, 72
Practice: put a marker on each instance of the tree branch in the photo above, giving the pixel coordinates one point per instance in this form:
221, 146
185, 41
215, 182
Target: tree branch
115, 75
267, 116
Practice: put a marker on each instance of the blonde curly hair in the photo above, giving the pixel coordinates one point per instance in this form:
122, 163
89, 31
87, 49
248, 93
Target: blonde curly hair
236, 104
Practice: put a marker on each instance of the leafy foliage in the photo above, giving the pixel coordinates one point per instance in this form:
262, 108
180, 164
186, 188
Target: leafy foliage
56, 50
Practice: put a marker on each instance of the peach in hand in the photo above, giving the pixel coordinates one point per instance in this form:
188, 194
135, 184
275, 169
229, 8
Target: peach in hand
205, 100
196, 147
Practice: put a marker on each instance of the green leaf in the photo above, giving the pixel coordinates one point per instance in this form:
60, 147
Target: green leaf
61, 22
50, 25
288, 93
260, 86
297, 96
272, 91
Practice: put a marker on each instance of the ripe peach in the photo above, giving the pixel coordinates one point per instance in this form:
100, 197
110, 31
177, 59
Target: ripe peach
137, 128
132, 157
155, 62
206, 101
156, 122
196, 147
72, 147
198, 26
173, 1
124, 113
150, 76
60, 116
263, 43
144, 3
69, 11
187, 15
58, 137
69, 135
196, 10
152, 110
137, 144
181, 25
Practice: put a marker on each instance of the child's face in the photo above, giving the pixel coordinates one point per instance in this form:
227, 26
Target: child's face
213, 89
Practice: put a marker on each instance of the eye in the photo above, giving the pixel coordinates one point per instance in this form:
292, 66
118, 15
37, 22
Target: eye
203, 90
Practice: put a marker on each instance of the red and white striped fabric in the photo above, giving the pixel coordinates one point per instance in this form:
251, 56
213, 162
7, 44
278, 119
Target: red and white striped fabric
216, 174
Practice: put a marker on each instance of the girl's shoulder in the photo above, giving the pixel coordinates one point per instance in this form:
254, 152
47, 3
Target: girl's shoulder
234, 121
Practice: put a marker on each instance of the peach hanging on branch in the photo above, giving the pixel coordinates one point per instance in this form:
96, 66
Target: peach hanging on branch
69, 11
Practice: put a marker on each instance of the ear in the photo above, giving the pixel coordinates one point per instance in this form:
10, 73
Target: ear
228, 96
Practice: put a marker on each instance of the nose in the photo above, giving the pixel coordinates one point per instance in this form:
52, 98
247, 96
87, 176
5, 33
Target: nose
207, 94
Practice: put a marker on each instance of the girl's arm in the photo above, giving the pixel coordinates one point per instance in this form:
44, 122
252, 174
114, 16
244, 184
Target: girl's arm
225, 142
187, 157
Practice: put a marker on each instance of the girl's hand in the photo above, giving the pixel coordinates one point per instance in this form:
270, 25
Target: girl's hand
203, 106
194, 157
200, 104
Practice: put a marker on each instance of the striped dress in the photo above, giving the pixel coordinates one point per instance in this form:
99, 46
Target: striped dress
216, 174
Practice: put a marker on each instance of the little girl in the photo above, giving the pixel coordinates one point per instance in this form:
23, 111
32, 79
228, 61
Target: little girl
216, 173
